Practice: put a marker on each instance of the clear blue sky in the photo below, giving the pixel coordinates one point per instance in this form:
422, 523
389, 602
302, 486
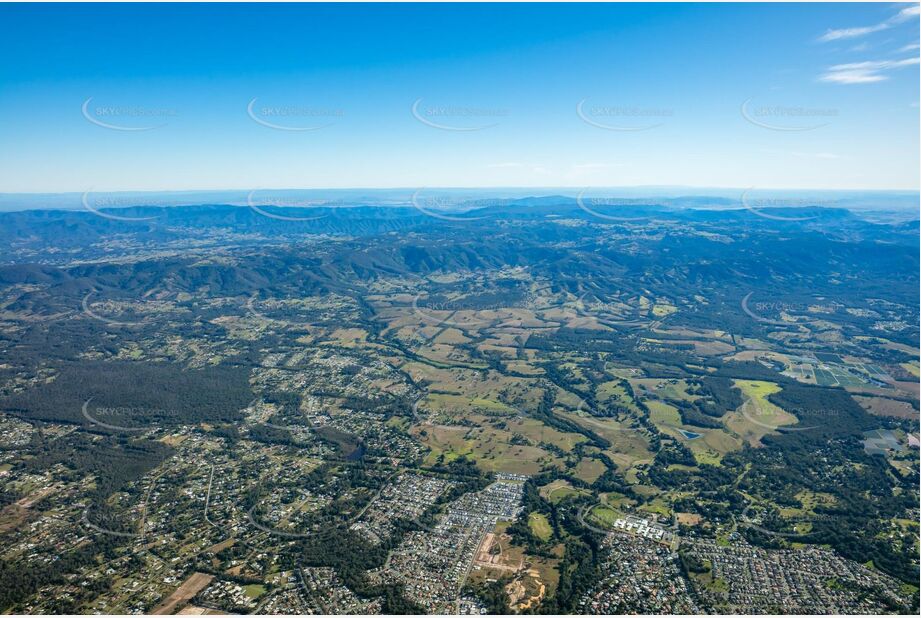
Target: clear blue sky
663, 89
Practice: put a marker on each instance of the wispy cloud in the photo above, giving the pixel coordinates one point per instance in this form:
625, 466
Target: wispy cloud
850, 33
864, 72
910, 47
908, 12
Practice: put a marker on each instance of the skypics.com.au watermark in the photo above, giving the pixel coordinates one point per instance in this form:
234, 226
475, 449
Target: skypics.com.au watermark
758, 205
786, 118
128, 118
592, 206
260, 203
427, 308
802, 526
773, 419
293, 118
276, 304
97, 204
102, 416
625, 118
98, 310
758, 309
438, 207
458, 118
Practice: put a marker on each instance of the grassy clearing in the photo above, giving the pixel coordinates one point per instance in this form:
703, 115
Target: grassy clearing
688, 519
810, 500
559, 490
589, 470
450, 408
710, 448
538, 432
603, 516
628, 447
757, 417
711, 444
540, 526
450, 336
617, 501
661, 413
657, 505
615, 392
912, 368
674, 389
487, 446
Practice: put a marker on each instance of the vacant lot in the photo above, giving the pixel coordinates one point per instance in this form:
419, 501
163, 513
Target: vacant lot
189, 588
883, 406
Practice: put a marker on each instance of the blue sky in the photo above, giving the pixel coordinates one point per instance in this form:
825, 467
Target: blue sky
176, 97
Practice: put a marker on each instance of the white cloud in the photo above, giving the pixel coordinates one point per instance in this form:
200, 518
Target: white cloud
910, 47
850, 33
852, 77
864, 72
909, 12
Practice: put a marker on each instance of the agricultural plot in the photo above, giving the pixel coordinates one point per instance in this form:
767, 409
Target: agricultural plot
837, 375
882, 442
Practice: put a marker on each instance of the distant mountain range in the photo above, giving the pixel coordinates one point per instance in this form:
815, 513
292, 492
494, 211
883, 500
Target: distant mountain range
461, 198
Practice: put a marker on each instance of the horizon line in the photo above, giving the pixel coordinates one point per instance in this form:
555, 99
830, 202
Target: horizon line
473, 188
